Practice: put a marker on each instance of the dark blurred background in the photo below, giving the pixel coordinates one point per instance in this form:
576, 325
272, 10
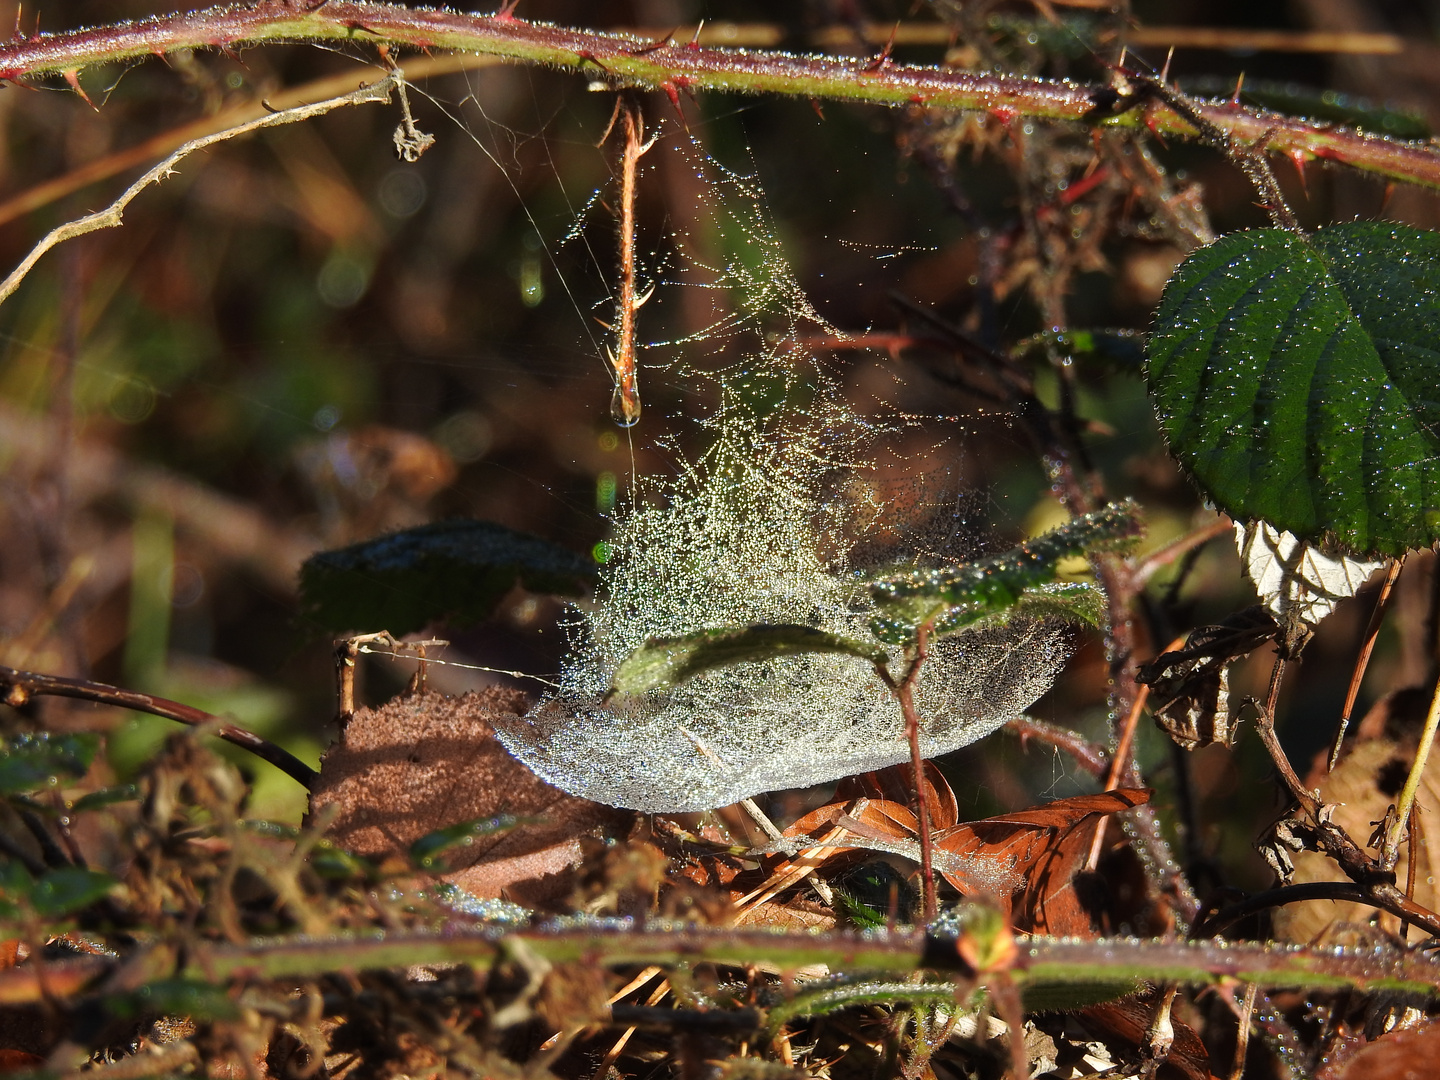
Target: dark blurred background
299, 341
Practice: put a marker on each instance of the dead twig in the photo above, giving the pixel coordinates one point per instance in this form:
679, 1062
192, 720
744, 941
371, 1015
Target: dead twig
113, 215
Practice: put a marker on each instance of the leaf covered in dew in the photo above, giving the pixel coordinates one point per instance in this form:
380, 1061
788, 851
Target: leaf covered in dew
1294, 377
454, 570
951, 598
667, 661
750, 536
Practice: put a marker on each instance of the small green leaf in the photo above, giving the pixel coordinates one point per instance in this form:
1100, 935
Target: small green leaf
15, 886
1296, 379
105, 797
35, 762
1069, 996
336, 864
189, 998
847, 993
667, 661
1077, 602
68, 889
956, 597
1100, 350
452, 570
425, 853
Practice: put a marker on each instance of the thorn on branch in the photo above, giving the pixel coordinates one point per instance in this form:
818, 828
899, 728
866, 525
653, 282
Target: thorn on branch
72, 77
654, 46
883, 60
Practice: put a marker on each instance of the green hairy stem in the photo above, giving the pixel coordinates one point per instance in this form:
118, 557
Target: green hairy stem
678, 66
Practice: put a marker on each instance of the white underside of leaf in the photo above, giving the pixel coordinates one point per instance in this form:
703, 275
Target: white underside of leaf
1295, 580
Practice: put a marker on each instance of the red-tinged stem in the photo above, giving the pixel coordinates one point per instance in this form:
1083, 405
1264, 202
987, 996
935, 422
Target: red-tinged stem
904, 691
628, 60
906, 695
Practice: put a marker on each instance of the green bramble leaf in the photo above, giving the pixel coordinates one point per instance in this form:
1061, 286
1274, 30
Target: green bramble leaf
425, 853
190, 998
1295, 378
953, 598
668, 661
453, 570
68, 889
105, 797
36, 762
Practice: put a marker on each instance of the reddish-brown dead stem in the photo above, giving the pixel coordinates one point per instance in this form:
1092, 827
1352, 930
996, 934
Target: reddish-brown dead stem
628, 60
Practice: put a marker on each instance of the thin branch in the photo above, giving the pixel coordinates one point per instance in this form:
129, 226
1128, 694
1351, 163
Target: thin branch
631, 60
904, 691
1265, 726
18, 687
1344, 891
843, 36
1242, 1033
166, 142
113, 215
1191, 541
625, 407
163, 1061
1088, 755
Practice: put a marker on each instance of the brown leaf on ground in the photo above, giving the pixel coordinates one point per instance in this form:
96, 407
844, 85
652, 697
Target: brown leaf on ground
1031, 861
1363, 785
1027, 862
1409, 1054
425, 762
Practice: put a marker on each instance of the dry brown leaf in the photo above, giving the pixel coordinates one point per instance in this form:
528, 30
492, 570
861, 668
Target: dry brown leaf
1129, 1019
1038, 855
425, 762
1027, 862
1363, 785
1410, 1054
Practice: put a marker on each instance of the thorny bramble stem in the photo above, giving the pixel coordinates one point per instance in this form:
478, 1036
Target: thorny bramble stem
626, 60
617, 942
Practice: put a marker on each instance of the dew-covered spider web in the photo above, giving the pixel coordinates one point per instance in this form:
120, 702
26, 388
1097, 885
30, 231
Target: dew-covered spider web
774, 507
755, 532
